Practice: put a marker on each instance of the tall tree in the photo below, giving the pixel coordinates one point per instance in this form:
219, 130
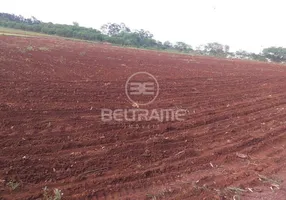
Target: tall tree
76, 24
215, 49
113, 29
182, 47
167, 45
275, 54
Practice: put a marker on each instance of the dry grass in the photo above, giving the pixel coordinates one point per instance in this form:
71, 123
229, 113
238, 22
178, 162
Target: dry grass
13, 185
17, 32
56, 194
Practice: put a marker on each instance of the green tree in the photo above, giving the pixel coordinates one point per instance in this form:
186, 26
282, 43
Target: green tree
242, 54
167, 45
76, 24
113, 29
215, 49
275, 54
183, 47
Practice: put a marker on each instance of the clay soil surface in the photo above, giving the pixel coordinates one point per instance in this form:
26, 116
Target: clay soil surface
231, 144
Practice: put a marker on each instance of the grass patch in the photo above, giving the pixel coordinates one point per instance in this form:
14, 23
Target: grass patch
18, 32
234, 192
159, 195
30, 48
82, 53
13, 185
56, 194
275, 183
44, 49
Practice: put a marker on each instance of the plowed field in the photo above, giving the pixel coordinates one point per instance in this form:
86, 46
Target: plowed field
231, 145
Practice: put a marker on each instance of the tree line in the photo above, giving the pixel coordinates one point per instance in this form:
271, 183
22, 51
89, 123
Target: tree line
121, 34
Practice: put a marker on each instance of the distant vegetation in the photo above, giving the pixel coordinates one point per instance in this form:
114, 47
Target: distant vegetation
120, 34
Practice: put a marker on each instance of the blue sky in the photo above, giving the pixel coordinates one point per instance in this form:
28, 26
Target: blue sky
242, 24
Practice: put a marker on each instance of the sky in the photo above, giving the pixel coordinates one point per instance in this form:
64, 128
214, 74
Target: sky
249, 25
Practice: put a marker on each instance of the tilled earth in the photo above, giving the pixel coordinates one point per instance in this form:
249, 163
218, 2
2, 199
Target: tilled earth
231, 144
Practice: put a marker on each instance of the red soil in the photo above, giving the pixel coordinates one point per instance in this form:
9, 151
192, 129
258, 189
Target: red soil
51, 134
